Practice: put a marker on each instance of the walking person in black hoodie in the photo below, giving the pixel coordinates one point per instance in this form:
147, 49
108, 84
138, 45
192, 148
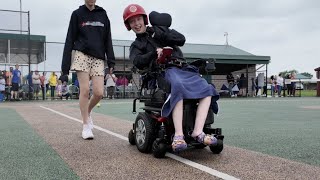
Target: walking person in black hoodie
88, 50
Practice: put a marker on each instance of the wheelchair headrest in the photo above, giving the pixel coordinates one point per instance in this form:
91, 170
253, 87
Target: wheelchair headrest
160, 19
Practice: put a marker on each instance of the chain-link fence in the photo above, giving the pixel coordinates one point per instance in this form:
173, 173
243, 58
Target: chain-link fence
15, 46
34, 53
14, 21
127, 83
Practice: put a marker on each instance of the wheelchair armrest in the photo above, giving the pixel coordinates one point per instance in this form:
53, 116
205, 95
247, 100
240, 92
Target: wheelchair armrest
205, 66
198, 63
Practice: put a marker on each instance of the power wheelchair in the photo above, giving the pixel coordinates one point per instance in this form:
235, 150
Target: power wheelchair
152, 132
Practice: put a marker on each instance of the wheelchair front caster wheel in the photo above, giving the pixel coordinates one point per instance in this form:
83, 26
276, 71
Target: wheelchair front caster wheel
216, 149
131, 137
159, 149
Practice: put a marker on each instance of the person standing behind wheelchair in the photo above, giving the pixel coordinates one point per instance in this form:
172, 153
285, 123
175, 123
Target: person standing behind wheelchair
185, 81
111, 80
87, 44
230, 80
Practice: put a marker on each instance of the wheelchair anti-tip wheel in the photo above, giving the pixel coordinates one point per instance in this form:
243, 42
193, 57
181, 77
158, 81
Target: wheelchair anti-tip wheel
144, 129
216, 149
131, 137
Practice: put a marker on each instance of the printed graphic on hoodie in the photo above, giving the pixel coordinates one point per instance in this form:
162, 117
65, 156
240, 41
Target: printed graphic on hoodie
92, 23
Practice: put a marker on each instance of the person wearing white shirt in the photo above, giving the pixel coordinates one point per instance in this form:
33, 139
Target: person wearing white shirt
2, 85
44, 85
36, 83
279, 84
111, 80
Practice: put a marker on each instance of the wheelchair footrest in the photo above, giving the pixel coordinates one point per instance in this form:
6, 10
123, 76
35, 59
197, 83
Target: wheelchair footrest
209, 130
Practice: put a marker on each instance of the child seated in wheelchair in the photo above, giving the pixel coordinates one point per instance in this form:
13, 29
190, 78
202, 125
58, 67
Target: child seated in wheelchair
184, 79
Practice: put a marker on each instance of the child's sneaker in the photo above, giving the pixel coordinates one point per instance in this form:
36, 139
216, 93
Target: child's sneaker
87, 132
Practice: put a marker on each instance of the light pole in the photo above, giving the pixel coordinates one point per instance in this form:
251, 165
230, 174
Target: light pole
20, 17
226, 35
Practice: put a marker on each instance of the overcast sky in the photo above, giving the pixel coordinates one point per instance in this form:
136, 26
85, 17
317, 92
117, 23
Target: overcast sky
286, 30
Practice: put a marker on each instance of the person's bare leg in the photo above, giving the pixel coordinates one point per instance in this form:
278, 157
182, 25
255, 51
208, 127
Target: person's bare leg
178, 143
16, 95
97, 92
177, 116
201, 116
83, 78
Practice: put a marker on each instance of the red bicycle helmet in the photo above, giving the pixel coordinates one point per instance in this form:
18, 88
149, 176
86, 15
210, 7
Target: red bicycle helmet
132, 10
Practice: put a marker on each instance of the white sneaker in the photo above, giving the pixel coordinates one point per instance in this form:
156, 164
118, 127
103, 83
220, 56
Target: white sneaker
90, 121
87, 132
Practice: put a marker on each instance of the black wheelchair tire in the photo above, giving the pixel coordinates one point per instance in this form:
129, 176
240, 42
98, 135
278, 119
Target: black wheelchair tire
131, 137
146, 146
159, 149
216, 149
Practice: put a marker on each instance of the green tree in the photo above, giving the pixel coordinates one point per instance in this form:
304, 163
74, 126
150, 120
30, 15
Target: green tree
287, 72
307, 74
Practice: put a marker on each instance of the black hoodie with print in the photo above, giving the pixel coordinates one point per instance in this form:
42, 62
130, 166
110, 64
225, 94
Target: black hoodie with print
90, 33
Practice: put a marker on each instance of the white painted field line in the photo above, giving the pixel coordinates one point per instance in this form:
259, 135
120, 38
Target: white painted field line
201, 167
172, 156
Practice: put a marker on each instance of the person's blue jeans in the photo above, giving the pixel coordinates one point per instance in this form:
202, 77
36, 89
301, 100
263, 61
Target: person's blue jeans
279, 90
272, 90
230, 89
